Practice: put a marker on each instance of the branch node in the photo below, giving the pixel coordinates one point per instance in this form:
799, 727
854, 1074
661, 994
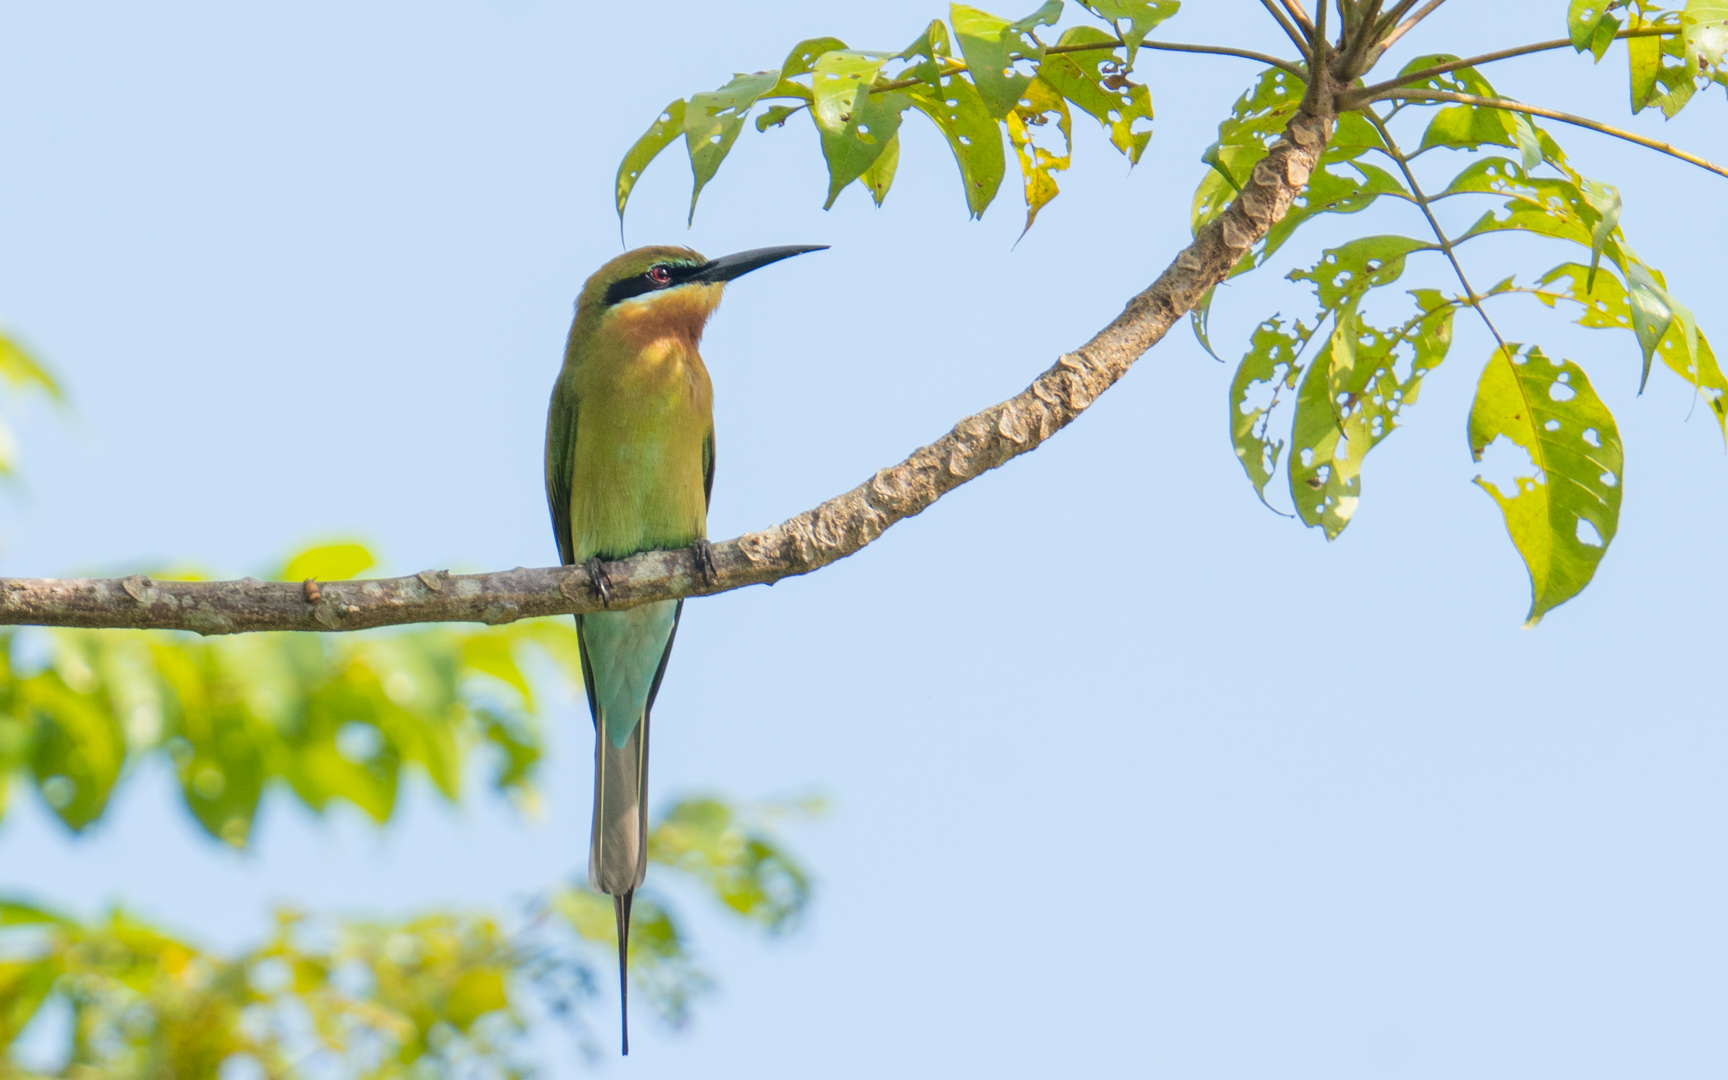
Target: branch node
433, 579
137, 587
313, 593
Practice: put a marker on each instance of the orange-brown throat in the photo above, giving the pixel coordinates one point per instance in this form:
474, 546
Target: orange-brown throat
679, 313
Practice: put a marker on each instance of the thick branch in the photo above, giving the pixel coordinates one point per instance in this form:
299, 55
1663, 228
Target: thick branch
810, 541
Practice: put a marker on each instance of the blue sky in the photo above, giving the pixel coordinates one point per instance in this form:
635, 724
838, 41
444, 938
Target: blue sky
1129, 775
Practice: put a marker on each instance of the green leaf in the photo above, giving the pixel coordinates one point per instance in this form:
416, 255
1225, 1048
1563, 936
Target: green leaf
1605, 200
1683, 348
1524, 134
77, 749
1704, 29
1350, 403
713, 120
1197, 320
1582, 19
1244, 137
775, 116
804, 56
330, 562
1652, 313
1562, 516
1644, 54
1272, 366
1140, 15
1553, 208
993, 45
879, 177
1345, 273
1039, 164
657, 138
1605, 32
954, 106
932, 44
856, 125
1099, 86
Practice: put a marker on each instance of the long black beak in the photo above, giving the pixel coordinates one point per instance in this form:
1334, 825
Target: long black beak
733, 266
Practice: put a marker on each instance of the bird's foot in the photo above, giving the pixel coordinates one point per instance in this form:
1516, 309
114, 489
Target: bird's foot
597, 576
703, 552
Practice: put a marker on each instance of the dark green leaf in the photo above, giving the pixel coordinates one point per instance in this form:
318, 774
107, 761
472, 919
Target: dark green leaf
1562, 516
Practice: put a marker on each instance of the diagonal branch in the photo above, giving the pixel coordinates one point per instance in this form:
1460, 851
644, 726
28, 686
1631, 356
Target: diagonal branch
1295, 36
1368, 92
1547, 114
808, 542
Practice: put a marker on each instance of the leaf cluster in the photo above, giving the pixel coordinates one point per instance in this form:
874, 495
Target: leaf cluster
442, 995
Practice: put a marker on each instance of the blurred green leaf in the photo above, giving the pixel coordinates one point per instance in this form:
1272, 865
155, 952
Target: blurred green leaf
1704, 29
1563, 514
332, 562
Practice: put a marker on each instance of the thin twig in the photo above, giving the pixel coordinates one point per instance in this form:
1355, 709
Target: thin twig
1094, 46
1299, 14
1422, 200
1547, 114
1503, 54
1408, 25
1295, 35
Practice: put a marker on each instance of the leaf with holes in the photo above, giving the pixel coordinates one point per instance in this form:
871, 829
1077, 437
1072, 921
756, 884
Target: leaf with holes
1563, 515
1269, 370
713, 120
1704, 29
1584, 17
1546, 207
1244, 137
1353, 398
1607, 306
1345, 273
954, 106
658, 137
1035, 123
1142, 16
856, 125
1098, 84
879, 177
993, 46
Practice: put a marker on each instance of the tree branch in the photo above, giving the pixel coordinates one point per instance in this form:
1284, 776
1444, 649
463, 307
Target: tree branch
1548, 114
1503, 54
1290, 31
810, 541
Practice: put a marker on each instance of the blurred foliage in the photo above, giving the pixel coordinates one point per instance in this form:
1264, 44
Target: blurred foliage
1342, 379
444, 995
321, 716
20, 372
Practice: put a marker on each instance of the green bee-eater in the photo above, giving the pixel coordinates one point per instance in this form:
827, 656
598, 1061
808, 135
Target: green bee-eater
629, 468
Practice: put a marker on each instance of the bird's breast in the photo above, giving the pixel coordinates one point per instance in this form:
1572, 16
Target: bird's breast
641, 427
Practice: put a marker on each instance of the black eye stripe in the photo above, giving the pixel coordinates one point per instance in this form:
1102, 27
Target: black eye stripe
644, 282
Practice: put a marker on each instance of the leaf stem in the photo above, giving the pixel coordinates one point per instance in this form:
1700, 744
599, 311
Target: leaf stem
1423, 201
1503, 54
1547, 114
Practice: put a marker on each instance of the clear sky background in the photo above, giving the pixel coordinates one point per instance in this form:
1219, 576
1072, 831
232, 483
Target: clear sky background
1130, 776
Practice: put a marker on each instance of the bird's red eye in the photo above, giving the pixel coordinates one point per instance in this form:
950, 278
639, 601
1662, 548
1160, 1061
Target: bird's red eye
659, 275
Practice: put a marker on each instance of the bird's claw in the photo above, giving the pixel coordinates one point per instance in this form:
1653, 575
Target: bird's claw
703, 552
597, 576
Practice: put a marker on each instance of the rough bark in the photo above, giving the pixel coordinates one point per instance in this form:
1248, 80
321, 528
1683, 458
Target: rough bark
810, 541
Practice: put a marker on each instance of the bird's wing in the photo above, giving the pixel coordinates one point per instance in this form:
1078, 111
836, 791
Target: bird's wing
708, 468
560, 459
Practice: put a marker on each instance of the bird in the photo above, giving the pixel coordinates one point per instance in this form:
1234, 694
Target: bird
630, 468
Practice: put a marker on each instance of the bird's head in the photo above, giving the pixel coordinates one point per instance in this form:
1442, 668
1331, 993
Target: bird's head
657, 292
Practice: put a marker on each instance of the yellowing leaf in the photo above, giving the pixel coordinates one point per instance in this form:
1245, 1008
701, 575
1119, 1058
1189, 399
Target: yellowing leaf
1563, 514
1041, 109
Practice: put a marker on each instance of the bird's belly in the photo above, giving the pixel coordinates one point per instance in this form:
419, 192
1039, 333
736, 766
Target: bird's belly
638, 486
